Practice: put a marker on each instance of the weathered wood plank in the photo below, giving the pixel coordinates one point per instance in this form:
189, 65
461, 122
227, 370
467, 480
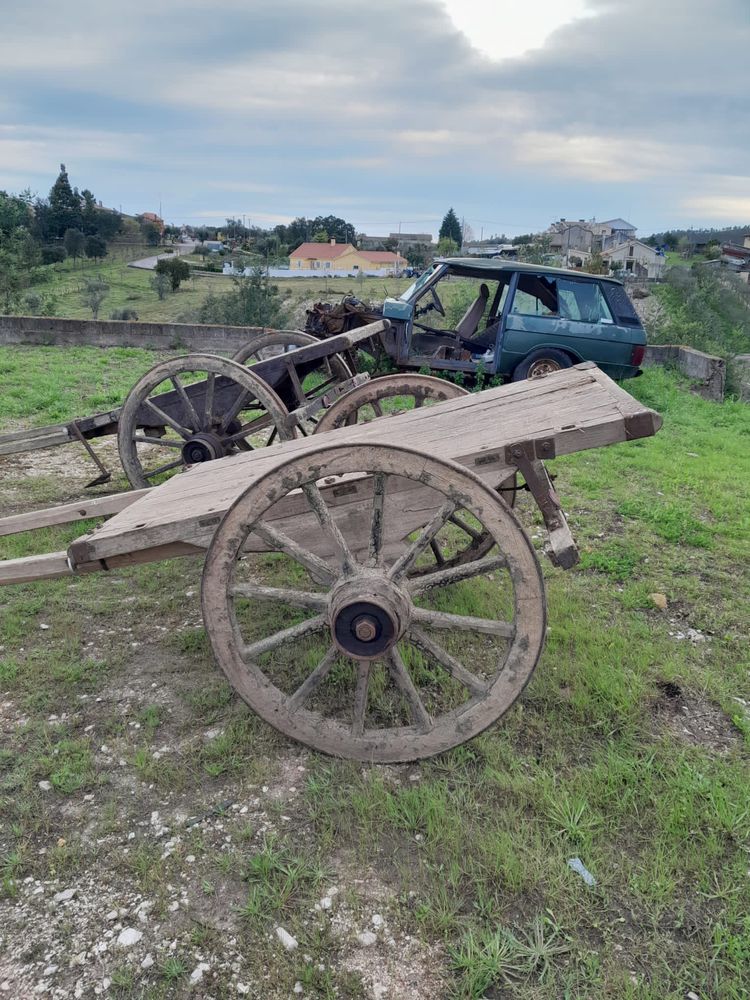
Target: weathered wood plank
50, 566
69, 512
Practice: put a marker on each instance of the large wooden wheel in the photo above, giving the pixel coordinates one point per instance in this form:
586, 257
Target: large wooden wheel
195, 409
394, 394
387, 396
316, 379
372, 662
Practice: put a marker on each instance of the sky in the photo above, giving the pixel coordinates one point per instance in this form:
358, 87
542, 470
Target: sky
513, 112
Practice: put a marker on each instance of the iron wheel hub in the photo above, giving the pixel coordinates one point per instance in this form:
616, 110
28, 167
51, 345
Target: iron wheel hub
202, 447
368, 615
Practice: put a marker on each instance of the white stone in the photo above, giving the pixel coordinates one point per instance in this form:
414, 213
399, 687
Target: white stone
367, 939
298, 988
45, 785
377, 920
112, 915
325, 903
65, 895
148, 961
243, 989
50, 970
197, 974
128, 937
289, 942
190, 859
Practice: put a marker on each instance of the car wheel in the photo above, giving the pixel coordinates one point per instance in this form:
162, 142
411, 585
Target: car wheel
543, 362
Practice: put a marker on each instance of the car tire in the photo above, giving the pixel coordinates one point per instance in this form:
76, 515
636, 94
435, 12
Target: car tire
543, 362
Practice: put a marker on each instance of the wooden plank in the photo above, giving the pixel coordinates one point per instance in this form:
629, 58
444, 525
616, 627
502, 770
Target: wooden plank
577, 408
69, 512
50, 566
33, 439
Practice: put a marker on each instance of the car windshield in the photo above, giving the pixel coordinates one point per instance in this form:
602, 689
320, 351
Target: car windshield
416, 285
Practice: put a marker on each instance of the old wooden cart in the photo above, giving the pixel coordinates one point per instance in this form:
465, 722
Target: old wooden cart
200, 407
318, 599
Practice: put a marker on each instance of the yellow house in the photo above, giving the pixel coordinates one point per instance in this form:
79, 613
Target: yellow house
335, 256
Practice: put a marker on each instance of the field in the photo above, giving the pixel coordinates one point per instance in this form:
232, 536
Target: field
155, 833
130, 288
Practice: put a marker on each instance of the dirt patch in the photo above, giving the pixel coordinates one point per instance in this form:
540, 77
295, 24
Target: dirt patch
693, 719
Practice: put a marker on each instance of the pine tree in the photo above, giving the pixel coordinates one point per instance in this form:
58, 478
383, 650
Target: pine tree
64, 206
450, 228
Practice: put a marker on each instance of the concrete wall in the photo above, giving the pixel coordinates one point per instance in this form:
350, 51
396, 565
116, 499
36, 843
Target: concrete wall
742, 367
175, 337
709, 371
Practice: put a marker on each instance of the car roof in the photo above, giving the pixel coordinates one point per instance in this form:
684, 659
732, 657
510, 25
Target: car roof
479, 267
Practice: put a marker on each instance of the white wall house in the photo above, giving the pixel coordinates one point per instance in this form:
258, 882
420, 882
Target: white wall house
635, 258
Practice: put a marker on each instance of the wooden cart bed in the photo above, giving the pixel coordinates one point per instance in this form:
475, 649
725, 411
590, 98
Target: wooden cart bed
570, 411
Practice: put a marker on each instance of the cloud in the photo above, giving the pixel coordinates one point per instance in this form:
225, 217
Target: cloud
288, 107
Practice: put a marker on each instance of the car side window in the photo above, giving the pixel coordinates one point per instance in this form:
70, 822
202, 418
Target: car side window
536, 295
583, 301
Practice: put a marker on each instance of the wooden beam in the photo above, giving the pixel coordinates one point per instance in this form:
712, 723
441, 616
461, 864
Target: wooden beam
69, 512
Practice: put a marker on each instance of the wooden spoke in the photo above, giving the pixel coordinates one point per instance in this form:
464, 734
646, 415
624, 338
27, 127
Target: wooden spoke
437, 552
252, 427
465, 623
467, 528
164, 442
193, 420
469, 680
377, 525
441, 578
418, 401
323, 514
163, 468
294, 598
164, 418
310, 685
402, 565
283, 543
402, 680
360, 697
378, 408
292, 634
208, 408
234, 409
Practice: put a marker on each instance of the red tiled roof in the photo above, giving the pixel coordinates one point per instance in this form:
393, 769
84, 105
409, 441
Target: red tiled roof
321, 251
381, 256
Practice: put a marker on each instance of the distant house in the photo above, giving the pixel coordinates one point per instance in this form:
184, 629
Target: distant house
215, 246
613, 232
589, 236
345, 258
636, 258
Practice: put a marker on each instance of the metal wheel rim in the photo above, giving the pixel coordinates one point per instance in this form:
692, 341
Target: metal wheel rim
213, 365
331, 736
542, 368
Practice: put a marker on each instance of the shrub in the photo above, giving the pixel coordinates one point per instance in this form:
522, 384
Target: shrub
123, 314
53, 255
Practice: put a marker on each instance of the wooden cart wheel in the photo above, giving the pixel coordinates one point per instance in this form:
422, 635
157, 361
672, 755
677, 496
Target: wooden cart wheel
370, 664
195, 409
395, 394
325, 373
403, 392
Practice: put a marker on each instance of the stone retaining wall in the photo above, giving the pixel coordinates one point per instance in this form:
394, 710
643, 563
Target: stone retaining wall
179, 337
708, 370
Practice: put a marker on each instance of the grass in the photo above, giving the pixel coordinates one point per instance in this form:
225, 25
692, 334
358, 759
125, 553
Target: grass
470, 858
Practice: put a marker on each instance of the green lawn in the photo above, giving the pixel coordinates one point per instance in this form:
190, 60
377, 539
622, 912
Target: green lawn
629, 750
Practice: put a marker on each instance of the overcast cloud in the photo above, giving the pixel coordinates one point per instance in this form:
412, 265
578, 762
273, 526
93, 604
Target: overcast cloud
384, 115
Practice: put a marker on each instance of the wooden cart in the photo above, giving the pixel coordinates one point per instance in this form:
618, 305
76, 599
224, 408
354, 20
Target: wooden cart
346, 631
200, 407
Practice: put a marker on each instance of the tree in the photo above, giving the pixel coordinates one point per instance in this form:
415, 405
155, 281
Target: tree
447, 247
177, 270
254, 302
450, 228
53, 255
161, 283
151, 233
93, 294
14, 213
419, 255
19, 255
74, 242
321, 236
96, 247
64, 206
